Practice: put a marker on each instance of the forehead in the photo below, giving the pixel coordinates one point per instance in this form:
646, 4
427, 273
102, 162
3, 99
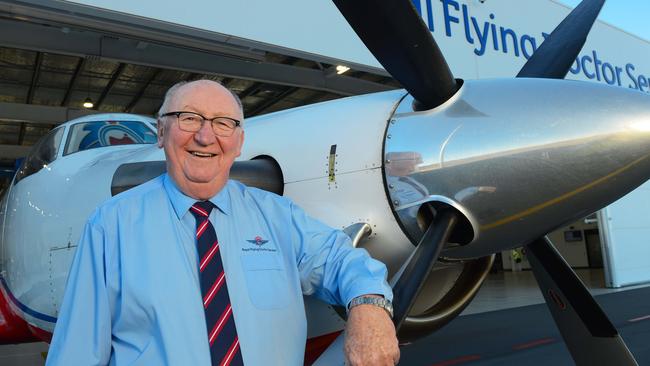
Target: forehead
205, 97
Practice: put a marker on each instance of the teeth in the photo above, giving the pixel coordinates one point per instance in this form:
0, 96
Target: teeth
203, 155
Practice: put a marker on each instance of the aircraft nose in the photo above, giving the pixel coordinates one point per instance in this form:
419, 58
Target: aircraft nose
519, 158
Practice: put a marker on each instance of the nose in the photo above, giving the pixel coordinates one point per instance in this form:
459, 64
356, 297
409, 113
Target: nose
205, 136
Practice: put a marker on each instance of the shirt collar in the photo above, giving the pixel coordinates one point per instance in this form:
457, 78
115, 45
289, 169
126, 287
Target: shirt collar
182, 203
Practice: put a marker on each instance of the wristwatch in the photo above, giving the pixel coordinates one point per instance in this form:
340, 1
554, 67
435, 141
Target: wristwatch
372, 300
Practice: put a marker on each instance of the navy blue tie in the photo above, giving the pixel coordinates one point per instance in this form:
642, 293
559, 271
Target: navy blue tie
222, 334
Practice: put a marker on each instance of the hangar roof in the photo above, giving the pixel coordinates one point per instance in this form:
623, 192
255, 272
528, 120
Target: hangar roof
49, 64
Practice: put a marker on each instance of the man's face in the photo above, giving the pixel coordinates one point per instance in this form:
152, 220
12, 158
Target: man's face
200, 162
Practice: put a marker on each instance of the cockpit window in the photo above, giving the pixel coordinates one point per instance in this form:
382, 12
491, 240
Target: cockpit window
41, 155
90, 135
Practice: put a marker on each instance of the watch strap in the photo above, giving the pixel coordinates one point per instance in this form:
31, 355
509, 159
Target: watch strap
372, 300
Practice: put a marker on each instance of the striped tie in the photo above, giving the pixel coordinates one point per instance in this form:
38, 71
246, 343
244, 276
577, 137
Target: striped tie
222, 334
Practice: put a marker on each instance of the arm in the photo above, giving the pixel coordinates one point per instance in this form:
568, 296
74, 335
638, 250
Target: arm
334, 271
370, 337
82, 335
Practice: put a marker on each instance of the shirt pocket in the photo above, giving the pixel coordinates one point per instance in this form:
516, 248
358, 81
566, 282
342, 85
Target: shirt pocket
266, 280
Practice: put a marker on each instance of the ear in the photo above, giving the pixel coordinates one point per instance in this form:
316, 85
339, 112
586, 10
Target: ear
241, 142
161, 132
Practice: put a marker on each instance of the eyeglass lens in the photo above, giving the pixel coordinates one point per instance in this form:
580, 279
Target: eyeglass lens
192, 122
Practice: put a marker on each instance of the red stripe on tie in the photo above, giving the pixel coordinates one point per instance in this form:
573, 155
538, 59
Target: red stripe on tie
213, 290
220, 323
208, 256
202, 228
231, 353
199, 210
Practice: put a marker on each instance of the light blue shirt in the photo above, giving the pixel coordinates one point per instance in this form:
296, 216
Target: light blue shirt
133, 295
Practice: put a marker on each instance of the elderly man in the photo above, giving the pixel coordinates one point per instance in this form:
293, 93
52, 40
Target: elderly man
166, 273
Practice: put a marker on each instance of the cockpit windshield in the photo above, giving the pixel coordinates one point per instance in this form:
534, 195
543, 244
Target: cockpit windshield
94, 134
41, 155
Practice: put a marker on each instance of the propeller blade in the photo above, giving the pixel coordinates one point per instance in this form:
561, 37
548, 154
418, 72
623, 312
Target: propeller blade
556, 54
588, 333
396, 35
419, 265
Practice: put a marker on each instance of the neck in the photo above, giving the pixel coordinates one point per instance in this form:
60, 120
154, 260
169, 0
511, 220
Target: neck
202, 191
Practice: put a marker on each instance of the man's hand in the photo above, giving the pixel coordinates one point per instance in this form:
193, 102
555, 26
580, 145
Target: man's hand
370, 337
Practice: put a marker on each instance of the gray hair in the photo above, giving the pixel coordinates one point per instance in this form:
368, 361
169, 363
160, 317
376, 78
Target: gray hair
171, 91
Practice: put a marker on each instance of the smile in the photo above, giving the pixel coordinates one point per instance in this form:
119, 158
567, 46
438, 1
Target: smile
201, 154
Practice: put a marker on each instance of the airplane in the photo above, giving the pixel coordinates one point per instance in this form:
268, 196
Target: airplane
433, 180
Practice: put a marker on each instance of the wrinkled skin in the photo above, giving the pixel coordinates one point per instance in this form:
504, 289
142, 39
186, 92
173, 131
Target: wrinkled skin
370, 337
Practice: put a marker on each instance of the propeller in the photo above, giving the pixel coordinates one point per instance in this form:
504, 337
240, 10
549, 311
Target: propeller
396, 35
554, 57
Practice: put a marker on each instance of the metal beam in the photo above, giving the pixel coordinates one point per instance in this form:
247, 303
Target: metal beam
109, 86
50, 39
37, 70
123, 24
40, 114
73, 81
14, 151
271, 101
140, 93
250, 90
21, 133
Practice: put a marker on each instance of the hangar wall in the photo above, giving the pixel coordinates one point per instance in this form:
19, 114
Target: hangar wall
625, 233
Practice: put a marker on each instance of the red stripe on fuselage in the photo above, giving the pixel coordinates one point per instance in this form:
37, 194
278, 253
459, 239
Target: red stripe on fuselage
15, 329
317, 345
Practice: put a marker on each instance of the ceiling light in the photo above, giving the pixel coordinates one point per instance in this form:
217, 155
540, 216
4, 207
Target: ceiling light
88, 103
340, 69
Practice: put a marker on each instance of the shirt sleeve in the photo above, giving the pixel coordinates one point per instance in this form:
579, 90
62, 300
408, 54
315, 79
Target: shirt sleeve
82, 335
330, 268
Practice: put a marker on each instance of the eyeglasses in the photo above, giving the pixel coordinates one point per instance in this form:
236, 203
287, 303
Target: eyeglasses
192, 122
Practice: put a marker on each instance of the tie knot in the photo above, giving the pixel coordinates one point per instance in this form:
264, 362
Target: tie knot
201, 209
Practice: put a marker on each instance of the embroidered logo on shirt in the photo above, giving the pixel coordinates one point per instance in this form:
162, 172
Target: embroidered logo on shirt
258, 241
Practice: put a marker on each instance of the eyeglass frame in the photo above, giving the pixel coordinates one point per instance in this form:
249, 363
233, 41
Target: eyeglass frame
178, 114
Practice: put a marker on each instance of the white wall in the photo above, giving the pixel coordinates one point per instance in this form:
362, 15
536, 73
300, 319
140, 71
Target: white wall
625, 231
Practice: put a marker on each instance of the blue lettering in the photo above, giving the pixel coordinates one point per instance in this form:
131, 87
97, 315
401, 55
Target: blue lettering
643, 82
504, 43
482, 37
494, 34
584, 68
618, 75
468, 35
576, 70
628, 69
531, 41
607, 67
416, 4
479, 33
597, 64
448, 18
